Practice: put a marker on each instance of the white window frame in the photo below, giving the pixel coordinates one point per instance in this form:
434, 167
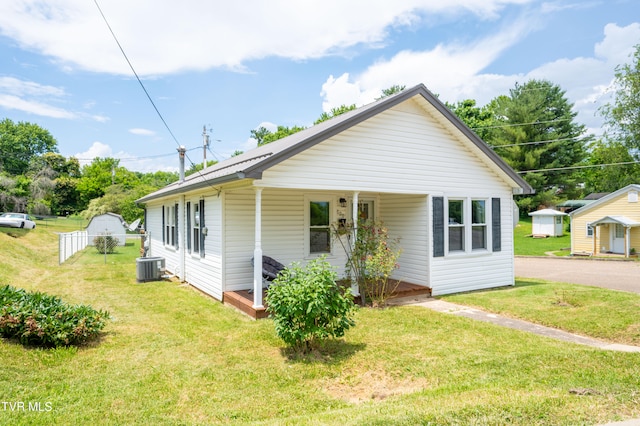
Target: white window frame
307, 223
589, 230
170, 226
480, 224
467, 226
195, 229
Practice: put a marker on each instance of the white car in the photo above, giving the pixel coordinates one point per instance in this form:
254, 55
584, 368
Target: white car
17, 220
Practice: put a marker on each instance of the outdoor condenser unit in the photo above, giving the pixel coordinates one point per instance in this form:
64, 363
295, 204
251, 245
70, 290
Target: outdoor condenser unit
149, 269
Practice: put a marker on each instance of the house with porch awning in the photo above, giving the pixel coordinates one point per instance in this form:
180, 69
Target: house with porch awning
406, 160
609, 225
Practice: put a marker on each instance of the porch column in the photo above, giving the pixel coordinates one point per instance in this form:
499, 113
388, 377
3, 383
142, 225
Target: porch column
627, 240
355, 290
257, 253
595, 238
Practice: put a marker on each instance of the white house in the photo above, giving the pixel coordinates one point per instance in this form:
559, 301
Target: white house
547, 222
107, 224
405, 159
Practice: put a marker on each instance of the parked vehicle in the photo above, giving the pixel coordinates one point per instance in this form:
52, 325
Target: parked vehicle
17, 220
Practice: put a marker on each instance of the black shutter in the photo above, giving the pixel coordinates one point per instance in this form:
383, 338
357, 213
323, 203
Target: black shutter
438, 226
201, 227
175, 229
496, 231
164, 241
189, 226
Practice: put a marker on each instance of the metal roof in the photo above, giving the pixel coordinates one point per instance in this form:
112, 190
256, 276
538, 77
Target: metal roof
253, 163
620, 220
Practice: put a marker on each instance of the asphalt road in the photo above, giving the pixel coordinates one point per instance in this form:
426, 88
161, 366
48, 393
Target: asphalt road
613, 274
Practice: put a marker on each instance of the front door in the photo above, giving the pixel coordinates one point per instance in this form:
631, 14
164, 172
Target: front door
617, 239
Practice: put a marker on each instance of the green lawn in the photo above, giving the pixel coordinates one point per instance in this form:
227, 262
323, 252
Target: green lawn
174, 356
525, 245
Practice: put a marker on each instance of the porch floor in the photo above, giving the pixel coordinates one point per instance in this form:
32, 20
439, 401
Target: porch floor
243, 300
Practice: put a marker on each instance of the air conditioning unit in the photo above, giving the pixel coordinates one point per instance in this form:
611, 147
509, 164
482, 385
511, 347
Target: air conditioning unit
149, 269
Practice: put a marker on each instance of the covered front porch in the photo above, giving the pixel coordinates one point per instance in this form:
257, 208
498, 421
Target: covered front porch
244, 301
618, 238
292, 225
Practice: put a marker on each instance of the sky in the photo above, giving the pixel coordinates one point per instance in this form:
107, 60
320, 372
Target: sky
230, 67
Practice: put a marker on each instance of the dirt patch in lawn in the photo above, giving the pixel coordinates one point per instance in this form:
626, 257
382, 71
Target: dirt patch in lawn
372, 386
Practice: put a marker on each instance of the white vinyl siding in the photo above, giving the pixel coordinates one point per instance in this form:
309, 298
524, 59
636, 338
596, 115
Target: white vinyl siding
478, 269
406, 217
401, 150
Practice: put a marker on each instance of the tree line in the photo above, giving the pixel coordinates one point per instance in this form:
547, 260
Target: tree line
533, 128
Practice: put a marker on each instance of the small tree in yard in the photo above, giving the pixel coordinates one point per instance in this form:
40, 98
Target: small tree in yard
308, 306
371, 260
105, 244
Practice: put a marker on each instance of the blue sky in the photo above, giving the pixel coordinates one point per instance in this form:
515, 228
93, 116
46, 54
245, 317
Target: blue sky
234, 66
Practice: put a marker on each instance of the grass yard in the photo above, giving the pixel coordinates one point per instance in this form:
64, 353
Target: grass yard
525, 245
174, 356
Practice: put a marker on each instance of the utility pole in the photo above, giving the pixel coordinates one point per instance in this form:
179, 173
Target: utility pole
205, 145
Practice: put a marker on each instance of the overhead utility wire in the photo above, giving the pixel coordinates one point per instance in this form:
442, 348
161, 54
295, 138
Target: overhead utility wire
554, 169
135, 73
521, 124
534, 143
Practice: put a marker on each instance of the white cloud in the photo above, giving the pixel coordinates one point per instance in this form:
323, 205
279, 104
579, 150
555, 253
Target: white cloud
455, 73
142, 132
97, 149
448, 70
33, 107
191, 34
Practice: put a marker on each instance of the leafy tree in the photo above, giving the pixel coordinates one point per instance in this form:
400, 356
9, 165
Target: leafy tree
66, 197
537, 132
20, 143
481, 120
334, 113
622, 116
265, 136
612, 175
396, 88
96, 178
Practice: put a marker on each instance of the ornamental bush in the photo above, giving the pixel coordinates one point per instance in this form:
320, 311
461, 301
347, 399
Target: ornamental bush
307, 305
105, 244
40, 319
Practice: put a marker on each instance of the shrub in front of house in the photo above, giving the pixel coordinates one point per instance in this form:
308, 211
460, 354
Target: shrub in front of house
307, 306
105, 244
39, 319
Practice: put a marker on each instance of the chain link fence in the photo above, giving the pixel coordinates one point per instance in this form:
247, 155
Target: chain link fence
70, 243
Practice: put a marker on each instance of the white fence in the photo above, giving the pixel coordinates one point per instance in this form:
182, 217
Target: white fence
69, 243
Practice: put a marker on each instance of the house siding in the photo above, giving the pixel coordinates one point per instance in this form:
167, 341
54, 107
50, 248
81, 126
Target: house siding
283, 231
455, 273
617, 206
401, 150
205, 273
406, 217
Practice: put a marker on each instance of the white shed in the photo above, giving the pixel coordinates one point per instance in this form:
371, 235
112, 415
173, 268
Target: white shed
107, 224
548, 222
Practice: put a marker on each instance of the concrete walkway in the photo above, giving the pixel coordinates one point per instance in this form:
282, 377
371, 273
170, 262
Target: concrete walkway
477, 314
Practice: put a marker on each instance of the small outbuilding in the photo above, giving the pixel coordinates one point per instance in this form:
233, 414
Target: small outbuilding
108, 224
548, 223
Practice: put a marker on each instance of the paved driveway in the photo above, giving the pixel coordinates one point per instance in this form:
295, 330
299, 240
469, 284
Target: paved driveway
613, 274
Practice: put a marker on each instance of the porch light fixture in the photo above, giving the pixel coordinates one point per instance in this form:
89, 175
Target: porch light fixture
343, 202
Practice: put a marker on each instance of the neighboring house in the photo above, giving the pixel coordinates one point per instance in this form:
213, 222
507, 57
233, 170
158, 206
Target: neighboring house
405, 159
107, 224
571, 205
610, 224
547, 222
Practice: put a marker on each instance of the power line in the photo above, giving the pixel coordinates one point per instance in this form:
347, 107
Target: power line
554, 169
136, 74
521, 124
533, 143
140, 81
